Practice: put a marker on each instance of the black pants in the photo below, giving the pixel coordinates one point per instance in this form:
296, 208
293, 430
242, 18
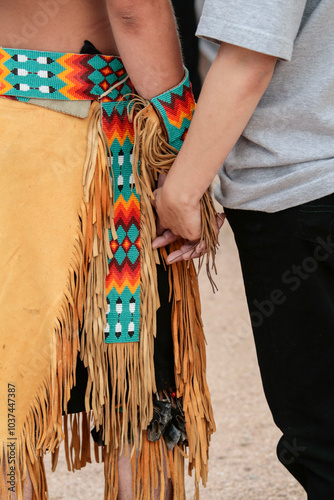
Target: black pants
287, 261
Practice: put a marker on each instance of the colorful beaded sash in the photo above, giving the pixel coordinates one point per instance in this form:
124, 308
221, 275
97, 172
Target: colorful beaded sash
26, 74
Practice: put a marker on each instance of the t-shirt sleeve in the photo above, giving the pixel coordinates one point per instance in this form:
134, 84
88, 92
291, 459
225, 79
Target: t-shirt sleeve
267, 26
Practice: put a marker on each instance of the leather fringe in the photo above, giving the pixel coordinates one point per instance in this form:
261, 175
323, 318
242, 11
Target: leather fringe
190, 365
126, 409
99, 196
130, 365
42, 430
26, 460
157, 156
151, 465
111, 474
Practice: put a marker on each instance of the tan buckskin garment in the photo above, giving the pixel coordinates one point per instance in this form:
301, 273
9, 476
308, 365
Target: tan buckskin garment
40, 198
44, 209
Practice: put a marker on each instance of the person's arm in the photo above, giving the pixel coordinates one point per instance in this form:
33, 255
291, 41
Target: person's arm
232, 89
147, 40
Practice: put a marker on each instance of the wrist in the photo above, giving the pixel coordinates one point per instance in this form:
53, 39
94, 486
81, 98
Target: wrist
178, 193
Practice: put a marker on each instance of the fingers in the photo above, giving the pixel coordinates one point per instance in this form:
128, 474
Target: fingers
220, 219
186, 252
165, 239
190, 250
193, 250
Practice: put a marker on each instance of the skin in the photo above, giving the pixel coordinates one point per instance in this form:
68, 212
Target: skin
21, 25
142, 32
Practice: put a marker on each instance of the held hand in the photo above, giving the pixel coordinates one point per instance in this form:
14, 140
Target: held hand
191, 249
183, 219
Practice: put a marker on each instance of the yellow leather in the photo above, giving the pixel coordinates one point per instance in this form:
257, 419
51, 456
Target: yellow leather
42, 154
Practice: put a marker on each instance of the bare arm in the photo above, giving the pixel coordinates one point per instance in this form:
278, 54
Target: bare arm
234, 85
147, 40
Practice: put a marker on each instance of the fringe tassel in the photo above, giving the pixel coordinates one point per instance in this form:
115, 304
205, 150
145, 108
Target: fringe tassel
111, 474
151, 465
77, 451
157, 156
126, 408
99, 197
190, 365
132, 375
131, 365
42, 430
34, 466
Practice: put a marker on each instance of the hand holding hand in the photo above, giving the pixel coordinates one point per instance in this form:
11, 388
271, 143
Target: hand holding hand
176, 220
182, 217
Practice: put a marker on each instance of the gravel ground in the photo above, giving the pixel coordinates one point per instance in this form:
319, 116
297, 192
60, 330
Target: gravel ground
243, 463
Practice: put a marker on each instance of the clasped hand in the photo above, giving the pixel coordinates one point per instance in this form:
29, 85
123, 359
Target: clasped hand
179, 218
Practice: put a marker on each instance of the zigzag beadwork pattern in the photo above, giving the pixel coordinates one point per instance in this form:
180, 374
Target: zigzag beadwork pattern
123, 280
4, 72
55, 75
116, 124
176, 107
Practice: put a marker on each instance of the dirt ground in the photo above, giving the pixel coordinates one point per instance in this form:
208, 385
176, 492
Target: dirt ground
243, 463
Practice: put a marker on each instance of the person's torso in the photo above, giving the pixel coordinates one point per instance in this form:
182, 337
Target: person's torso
55, 25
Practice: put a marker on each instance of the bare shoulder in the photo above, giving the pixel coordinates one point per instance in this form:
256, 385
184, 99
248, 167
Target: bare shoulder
56, 25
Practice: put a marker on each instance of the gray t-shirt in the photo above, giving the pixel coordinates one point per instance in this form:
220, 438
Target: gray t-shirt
285, 155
